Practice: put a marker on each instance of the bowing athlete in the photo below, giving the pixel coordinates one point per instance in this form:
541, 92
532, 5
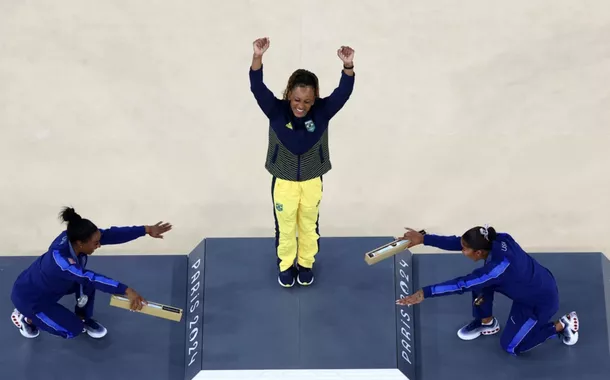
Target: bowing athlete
507, 270
61, 271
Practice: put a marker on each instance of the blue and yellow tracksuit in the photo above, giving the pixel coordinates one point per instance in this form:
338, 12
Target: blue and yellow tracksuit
297, 158
510, 271
59, 272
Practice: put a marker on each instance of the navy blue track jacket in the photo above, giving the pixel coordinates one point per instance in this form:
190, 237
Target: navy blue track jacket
296, 138
508, 270
55, 273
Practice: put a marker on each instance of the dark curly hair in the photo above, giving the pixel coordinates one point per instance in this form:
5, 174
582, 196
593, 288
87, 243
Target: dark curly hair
302, 78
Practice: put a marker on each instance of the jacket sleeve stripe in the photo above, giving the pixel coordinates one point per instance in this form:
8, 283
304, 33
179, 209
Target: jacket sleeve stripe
494, 273
72, 269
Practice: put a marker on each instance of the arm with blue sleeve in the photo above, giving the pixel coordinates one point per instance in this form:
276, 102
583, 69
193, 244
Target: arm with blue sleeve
492, 273
71, 272
120, 235
448, 243
340, 95
265, 99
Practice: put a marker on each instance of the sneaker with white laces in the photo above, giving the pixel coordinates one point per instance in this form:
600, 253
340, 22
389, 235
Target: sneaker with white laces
27, 330
94, 329
570, 328
477, 328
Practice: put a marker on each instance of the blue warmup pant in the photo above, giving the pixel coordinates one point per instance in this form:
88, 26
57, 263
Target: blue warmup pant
526, 327
57, 319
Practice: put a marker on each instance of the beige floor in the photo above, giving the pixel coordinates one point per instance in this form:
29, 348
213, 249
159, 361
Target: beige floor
464, 113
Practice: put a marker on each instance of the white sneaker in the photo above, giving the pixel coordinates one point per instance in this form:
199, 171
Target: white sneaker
475, 328
570, 328
27, 330
94, 329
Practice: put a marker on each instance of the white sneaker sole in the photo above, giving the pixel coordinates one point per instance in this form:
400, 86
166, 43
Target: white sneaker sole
97, 335
284, 285
573, 325
304, 283
16, 318
472, 336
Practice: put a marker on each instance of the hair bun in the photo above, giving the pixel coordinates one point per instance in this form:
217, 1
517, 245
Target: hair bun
491, 233
69, 215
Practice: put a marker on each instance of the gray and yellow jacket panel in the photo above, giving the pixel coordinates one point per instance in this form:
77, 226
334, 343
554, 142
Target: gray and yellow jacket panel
298, 148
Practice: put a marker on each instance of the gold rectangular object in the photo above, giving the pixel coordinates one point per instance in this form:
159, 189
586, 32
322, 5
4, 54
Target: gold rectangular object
155, 309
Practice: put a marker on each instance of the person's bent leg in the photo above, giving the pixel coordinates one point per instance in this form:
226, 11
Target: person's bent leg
308, 225
525, 330
21, 316
484, 323
285, 196
84, 309
58, 320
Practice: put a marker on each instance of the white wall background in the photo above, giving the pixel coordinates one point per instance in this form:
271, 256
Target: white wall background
463, 113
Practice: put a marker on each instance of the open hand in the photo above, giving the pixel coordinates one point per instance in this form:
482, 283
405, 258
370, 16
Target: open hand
260, 46
158, 229
413, 236
413, 299
346, 54
136, 302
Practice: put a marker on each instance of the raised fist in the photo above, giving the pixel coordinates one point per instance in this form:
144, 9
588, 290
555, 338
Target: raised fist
260, 46
346, 54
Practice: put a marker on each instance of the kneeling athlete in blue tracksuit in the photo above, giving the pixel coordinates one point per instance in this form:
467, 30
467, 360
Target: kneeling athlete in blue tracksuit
61, 271
510, 271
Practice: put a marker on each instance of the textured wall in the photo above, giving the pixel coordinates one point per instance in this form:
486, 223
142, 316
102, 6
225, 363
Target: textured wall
463, 113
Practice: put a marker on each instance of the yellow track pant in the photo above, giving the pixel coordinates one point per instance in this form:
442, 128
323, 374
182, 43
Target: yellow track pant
296, 210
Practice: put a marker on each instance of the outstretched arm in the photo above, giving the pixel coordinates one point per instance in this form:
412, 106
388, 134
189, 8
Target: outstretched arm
448, 243
120, 235
341, 94
487, 276
267, 102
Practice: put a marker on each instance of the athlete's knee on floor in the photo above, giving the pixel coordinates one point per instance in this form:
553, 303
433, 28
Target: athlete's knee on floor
507, 342
508, 350
509, 346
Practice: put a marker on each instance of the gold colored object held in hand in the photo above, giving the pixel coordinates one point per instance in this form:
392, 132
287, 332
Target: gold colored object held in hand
152, 308
388, 250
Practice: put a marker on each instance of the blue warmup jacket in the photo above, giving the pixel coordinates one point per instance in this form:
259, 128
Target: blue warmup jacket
298, 147
508, 270
296, 138
57, 272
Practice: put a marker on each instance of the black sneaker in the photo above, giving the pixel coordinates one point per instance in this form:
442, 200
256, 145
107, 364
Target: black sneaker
286, 278
305, 276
